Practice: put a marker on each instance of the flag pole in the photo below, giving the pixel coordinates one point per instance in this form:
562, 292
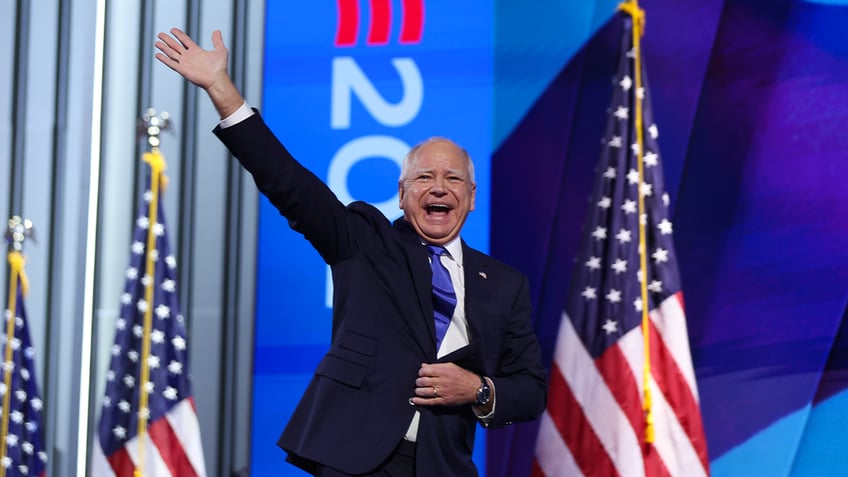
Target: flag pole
631, 7
154, 126
18, 230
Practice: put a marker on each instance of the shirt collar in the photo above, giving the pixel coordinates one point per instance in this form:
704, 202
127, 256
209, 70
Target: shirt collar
454, 248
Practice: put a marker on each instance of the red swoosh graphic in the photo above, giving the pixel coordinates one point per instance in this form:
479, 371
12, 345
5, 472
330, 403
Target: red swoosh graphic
348, 25
413, 21
381, 22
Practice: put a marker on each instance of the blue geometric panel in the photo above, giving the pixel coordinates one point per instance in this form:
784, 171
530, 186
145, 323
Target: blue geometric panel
533, 41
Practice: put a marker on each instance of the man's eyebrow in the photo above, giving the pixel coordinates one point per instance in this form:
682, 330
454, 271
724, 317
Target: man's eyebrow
453, 172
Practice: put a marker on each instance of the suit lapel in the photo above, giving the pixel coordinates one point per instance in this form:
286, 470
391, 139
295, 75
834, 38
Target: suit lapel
424, 329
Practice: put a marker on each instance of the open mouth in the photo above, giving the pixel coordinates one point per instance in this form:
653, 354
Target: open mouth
438, 209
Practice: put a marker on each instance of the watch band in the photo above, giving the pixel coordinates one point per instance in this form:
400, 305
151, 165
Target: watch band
484, 392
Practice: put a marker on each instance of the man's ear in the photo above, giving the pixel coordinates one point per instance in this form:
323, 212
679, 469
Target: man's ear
400, 195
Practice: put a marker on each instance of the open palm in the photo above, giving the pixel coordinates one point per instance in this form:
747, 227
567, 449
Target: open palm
202, 67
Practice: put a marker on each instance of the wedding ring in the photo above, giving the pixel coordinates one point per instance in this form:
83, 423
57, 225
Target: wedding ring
435, 393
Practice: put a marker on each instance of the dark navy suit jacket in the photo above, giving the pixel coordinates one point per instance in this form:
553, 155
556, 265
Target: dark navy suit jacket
356, 408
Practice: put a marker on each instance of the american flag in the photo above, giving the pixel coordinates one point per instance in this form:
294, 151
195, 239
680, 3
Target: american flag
595, 424
171, 443
24, 453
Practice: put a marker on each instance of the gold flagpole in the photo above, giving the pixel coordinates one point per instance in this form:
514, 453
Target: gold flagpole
631, 7
18, 230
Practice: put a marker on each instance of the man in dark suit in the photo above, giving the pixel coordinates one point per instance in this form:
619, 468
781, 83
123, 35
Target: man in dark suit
396, 394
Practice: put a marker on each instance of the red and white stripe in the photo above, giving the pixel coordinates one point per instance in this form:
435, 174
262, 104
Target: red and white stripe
172, 448
594, 424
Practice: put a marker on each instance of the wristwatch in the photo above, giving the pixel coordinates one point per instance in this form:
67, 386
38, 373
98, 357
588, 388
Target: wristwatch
484, 393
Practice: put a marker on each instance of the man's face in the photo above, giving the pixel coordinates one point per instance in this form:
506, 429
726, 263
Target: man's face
436, 193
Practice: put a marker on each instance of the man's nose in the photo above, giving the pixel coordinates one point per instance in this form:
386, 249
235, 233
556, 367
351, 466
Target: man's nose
440, 185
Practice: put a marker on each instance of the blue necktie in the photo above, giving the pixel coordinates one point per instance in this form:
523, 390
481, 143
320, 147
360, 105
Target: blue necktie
444, 297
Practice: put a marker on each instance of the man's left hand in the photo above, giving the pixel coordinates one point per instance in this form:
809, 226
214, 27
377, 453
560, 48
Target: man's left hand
445, 384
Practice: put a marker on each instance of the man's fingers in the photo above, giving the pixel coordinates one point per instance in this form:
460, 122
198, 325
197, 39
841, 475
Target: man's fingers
428, 369
428, 392
165, 60
166, 51
166, 44
217, 39
184, 39
426, 387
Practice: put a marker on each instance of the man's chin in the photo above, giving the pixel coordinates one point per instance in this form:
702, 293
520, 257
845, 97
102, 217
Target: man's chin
438, 238
437, 234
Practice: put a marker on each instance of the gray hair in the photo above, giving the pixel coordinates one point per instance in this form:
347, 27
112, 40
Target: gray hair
410, 156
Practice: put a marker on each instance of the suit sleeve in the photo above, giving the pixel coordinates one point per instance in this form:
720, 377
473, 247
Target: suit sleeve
520, 380
309, 205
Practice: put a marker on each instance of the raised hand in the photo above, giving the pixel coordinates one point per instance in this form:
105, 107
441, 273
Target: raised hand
204, 68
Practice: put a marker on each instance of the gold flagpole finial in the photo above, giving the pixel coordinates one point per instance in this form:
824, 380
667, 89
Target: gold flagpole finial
152, 125
18, 231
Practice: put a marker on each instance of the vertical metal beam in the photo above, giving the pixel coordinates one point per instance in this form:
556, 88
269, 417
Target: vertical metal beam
233, 255
188, 174
19, 97
143, 95
57, 197
188, 180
